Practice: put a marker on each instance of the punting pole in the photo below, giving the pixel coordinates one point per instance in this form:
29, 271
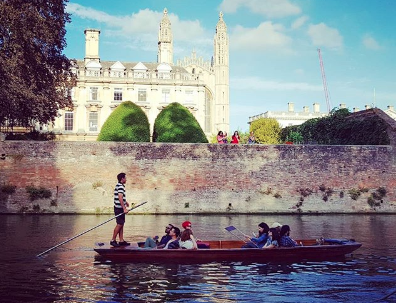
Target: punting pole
231, 228
84, 232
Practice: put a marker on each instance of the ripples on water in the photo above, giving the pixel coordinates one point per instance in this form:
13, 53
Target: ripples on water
72, 273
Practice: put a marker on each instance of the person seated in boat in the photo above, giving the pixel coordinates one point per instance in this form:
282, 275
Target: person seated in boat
277, 225
285, 239
154, 243
187, 225
273, 239
173, 243
187, 240
258, 242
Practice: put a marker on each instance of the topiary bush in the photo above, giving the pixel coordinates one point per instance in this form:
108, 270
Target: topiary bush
176, 124
127, 123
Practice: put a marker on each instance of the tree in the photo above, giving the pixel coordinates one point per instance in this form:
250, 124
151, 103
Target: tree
127, 123
176, 124
35, 76
266, 130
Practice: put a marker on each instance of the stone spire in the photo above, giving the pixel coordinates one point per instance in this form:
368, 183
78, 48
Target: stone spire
221, 69
165, 40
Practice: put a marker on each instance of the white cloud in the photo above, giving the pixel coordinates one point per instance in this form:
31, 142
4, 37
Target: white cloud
267, 36
267, 8
143, 25
370, 43
263, 85
323, 35
299, 22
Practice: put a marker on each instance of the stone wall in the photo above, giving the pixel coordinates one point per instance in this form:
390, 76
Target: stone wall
198, 178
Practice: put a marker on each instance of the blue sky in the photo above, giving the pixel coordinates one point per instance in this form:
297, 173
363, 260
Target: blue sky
273, 46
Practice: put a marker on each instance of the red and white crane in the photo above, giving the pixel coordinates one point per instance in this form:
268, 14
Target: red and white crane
326, 91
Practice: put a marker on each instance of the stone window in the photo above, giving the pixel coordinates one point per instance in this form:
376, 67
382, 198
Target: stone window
93, 121
69, 120
189, 96
166, 95
118, 94
142, 95
117, 74
94, 93
164, 75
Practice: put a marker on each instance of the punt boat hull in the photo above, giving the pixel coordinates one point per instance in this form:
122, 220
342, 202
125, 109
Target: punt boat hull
230, 251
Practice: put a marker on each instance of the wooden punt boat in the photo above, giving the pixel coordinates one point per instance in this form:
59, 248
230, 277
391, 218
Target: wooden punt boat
231, 251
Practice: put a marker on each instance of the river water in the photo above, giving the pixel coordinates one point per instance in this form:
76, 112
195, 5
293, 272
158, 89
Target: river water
72, 273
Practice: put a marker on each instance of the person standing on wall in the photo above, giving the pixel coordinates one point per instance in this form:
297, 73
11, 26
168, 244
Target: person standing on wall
120, 207
235, 138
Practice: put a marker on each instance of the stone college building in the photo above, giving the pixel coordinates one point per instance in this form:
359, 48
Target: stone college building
201, 86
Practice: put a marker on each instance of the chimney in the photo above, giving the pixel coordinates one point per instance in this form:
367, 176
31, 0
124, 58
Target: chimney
390, 107
367, 107
306, 109
316, 108
355, 109
290, 107
342, 105
91, 45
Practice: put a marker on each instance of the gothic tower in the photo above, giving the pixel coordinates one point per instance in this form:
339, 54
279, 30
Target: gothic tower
221, 69
165, 41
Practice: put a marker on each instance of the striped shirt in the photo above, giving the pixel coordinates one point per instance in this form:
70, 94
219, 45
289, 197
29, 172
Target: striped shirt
119, 189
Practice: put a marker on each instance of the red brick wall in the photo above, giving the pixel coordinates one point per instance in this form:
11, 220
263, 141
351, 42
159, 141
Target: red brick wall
191, 178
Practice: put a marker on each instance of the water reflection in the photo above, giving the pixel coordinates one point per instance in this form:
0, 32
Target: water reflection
72, 273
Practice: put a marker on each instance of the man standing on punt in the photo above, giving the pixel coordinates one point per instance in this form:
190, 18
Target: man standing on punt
120, 207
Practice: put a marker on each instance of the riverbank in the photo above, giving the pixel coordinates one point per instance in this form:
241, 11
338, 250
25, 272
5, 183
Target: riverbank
79, 178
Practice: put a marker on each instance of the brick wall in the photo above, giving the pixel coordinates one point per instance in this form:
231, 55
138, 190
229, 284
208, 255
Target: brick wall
198, 178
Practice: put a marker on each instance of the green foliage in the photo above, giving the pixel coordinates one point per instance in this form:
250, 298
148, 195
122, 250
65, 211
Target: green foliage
287, 131
295, 137
8, 189
176, 124
266, 130
213, 138
33, 135
375, 198
354, 193
35, 74
381, 191
324, 130
338, 129
291, 134
244, 137
36, 208
127, 123
38, 193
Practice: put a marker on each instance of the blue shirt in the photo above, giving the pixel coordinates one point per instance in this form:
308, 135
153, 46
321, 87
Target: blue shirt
164, 240
260, 241
273, 242
286, 241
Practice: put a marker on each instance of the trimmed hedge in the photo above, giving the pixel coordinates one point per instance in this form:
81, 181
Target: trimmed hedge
127, 123
176, 124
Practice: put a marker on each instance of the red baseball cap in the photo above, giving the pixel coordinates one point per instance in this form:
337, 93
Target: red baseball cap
185, 224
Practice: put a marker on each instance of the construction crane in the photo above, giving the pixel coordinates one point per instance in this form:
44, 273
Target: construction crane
326, 91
